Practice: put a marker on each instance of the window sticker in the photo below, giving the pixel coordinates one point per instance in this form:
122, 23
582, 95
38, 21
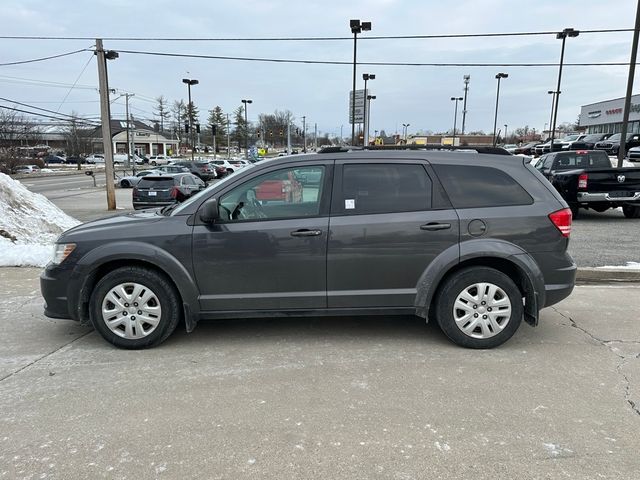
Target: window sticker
349, 204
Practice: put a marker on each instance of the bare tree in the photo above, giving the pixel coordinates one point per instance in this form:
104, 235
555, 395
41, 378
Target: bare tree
77, 137
161, 111
17, 132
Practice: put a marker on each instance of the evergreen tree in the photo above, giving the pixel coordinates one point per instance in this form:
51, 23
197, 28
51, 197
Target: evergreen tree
218, 118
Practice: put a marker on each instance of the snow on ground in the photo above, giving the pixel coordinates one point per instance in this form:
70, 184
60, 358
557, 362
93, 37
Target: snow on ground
628, 266
33, 221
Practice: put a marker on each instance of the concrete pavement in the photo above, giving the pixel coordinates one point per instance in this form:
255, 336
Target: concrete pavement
352, 398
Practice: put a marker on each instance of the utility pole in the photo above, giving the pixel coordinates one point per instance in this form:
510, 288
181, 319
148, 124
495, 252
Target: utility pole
126, 102
304, 134
627, 100
315, 136
466, 78
288, 133
105, 118
228, 138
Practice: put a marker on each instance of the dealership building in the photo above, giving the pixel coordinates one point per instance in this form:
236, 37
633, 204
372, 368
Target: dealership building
606, 117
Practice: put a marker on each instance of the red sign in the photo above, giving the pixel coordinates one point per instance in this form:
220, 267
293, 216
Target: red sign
613, 111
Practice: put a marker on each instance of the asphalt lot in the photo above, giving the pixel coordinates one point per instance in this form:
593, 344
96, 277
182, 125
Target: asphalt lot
338, 398
597, 239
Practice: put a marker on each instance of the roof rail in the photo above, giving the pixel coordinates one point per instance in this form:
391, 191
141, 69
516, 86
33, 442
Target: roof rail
484, 149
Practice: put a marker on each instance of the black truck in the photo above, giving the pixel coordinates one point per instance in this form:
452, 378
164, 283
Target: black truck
586, 179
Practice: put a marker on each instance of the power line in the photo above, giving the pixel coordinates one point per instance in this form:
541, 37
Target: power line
343, 62
41, 59
70, 117
47, 116
75, 82
310, 39
44, 83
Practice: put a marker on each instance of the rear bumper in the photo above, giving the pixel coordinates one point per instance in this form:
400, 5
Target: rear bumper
145, 205
586, 197
559, 271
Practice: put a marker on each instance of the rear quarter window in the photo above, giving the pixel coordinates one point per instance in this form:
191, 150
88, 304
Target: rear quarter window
473, 187
590, 159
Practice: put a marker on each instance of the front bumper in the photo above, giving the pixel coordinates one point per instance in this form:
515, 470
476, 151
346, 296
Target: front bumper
586, 197
53, 287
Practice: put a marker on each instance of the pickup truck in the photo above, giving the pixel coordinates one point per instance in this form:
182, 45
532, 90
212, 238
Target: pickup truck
586, 179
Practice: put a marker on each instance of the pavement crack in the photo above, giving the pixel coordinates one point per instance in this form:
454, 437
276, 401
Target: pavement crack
43, 357
609, 345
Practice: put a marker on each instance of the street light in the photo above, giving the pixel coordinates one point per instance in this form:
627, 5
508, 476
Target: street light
356, 28
455, 118
246, 128
365, 121
553, 102
505, 133
499, 76
405, 128
369, 98
190, 82
567, 32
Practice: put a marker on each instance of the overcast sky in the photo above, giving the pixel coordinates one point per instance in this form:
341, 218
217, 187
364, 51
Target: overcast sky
416, 95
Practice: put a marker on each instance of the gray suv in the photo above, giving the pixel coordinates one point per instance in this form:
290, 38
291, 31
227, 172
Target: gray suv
475, 242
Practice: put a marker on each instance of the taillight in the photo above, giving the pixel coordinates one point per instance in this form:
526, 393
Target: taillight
135, 191
562, 220
174, 192
582, 180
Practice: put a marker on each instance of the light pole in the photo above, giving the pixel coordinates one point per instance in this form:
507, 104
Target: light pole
505, 133
455, 118
246, 128
356, 28
304, 134
567, 32
405, 128
190, 82
365, 121
369, 98
466, 79
553, 102
499, 76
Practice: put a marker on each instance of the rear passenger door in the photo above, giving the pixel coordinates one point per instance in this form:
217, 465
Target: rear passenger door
389, 220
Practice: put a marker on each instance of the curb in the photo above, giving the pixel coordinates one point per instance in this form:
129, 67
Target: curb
607, 275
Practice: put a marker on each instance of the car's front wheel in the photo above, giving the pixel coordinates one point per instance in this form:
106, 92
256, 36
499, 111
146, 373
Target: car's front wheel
125, 183
479, 307
134, 307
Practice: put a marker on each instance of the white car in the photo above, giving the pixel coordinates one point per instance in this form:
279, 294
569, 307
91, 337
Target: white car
28, 169
121, 158
95, 158
226, 164
159, 160
132, 180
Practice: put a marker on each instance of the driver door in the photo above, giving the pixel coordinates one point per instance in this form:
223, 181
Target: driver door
268, 249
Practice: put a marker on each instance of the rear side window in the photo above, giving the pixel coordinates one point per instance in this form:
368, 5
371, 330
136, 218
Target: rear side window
570, 160
474, 187
147, 182
384, 188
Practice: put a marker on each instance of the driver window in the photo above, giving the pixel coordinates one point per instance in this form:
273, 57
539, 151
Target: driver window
287, 193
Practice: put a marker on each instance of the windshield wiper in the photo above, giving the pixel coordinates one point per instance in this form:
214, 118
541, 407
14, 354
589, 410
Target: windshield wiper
167, 208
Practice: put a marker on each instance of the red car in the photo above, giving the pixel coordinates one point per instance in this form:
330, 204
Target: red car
287, 188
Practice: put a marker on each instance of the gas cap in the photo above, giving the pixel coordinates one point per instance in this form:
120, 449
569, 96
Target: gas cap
477, 227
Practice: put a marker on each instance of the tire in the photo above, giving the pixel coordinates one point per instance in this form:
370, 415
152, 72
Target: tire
491, 329
125, 183
229, 171
631, 211
154, 163
575, 210
161, 306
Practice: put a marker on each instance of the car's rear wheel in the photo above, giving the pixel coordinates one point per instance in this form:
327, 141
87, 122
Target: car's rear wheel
134, 307
575, 210
631, 211
479, 307
125, 183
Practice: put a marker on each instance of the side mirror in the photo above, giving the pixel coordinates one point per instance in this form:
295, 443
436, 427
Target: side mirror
209, 211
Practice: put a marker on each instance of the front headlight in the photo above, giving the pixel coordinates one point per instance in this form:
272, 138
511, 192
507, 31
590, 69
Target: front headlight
62, 251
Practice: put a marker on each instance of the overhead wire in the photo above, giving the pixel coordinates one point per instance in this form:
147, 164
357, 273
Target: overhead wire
75, 83
42, 59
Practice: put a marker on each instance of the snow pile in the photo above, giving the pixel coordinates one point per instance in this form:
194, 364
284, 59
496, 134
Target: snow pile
29, 225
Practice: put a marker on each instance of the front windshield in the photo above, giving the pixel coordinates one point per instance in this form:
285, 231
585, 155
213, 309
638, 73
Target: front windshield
591, 138
570, 138
196, 197
615, 138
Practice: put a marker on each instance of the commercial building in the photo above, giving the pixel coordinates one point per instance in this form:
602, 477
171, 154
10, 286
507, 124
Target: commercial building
145, 139
606, 117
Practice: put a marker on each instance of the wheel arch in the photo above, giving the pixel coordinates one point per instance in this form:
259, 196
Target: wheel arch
102, 260
501, 255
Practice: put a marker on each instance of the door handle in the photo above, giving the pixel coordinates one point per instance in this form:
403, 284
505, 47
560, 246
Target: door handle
306, 233
432, 226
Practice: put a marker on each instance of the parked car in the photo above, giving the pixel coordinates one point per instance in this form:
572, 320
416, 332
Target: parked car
95, 158
132, 180
510, 147
633, 154
121, 159
238, 163
476, 242
526, 149
49, 159
586, 179
161, 190
75, 159
612, 144
546, 147
27, 169
201, 169
589, 141
159, 160
569, 140
226, 164
172, 169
